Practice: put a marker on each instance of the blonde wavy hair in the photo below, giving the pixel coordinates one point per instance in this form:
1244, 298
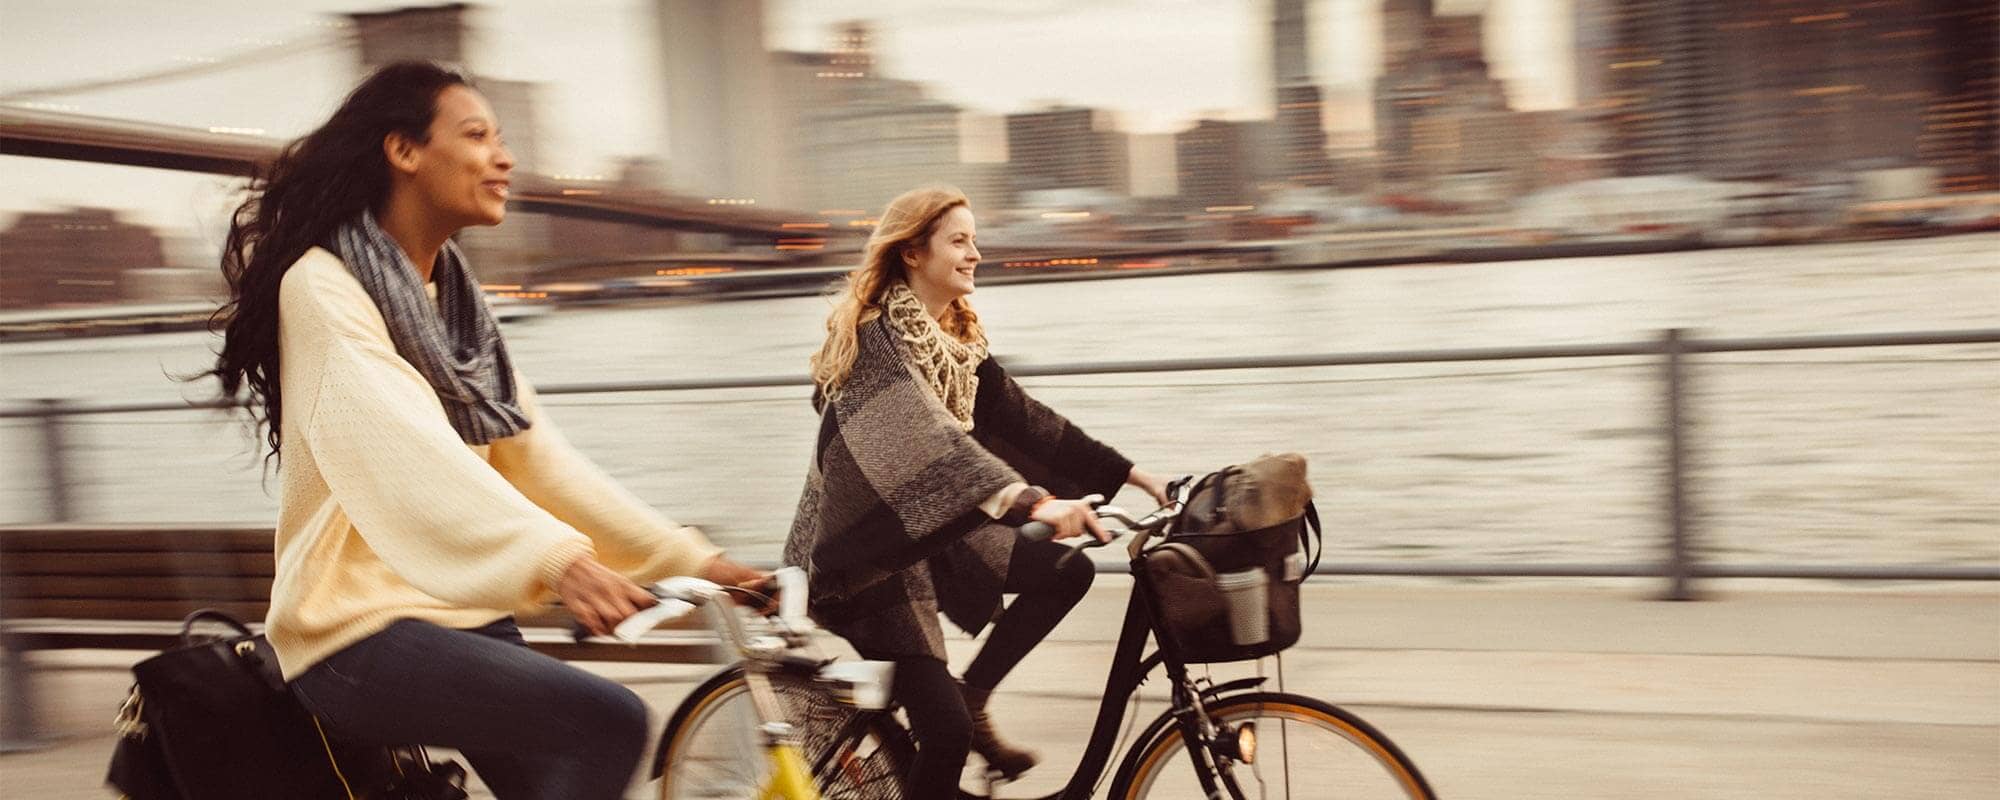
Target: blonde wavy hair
904, 227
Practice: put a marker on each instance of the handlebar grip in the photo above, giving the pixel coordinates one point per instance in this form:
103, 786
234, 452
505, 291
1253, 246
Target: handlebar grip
1042, 531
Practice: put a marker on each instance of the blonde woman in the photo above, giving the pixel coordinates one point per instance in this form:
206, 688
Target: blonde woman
929, 458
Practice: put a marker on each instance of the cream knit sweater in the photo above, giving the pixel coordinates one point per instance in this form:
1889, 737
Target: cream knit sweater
387, 514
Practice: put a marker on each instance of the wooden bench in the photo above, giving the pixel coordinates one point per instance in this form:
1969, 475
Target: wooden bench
76, 587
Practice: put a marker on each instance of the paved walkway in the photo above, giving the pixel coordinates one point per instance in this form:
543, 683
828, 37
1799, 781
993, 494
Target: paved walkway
1498, 691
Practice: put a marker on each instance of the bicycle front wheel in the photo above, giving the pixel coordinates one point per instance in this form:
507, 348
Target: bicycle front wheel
1305, 748
712, 749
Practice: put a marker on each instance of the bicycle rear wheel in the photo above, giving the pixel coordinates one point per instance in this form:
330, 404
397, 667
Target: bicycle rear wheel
711, 747
1306, 748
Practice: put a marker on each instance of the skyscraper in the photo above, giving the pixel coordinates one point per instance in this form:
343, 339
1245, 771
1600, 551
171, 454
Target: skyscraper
1216, 163
1961, 133
1591, 43
857, 138
1403, 23
1301, 132
1799, 88
1067, 147
1432, 66
1291, 59
721, 136
434, 33
81, 255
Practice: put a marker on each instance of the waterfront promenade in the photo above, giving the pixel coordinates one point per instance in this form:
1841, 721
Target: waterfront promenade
1499, 690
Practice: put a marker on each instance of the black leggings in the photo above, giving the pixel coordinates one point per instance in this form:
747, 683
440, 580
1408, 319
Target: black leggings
1049, 578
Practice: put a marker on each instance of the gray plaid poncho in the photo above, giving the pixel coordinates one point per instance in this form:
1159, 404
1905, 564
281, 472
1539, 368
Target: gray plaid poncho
889, 527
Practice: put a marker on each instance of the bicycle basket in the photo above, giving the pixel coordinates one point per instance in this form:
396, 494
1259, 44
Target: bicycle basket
823, 725
1225, 581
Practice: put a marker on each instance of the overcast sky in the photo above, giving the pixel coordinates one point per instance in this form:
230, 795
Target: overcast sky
1159, 63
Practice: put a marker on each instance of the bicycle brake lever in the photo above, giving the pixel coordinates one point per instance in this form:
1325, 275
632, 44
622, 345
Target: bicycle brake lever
647, 619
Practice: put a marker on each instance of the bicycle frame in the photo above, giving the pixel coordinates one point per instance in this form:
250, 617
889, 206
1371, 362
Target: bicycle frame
792, 778
1128, 670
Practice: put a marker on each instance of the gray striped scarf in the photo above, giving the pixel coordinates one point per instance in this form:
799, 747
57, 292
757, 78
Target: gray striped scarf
454, 343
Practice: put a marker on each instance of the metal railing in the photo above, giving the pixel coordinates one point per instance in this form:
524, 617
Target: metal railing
1679, 564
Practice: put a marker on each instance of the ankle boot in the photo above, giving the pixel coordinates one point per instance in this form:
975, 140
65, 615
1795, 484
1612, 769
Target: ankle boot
1001, 757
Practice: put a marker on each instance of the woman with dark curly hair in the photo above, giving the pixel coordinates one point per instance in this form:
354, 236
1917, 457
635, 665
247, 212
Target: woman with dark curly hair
426, 495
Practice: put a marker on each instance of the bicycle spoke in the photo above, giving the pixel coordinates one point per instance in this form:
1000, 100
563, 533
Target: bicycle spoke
720, 752
1302, 752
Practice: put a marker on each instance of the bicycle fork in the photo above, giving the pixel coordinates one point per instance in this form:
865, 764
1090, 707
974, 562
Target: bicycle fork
791, 778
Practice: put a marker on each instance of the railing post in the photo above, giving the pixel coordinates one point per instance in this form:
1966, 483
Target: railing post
1680, 562
20, 726
55, 459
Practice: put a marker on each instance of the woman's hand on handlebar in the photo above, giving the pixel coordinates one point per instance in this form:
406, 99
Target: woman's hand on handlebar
725, 571
598, 597
1151, 484
1070, 518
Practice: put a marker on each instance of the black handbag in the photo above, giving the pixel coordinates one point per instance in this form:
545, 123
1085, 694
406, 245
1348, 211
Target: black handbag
214, 718
138, 767
1250, 525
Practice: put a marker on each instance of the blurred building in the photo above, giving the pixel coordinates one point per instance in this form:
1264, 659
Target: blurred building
988, 184
1155, 167
1961, 133
868, 151
1797, 88
858, 138
1483, 157
1442, 120
429, 33
1568, 146
1301, 127
1068, 147
72, 257
1662, 95
721, 101
1216, 163
1592, 38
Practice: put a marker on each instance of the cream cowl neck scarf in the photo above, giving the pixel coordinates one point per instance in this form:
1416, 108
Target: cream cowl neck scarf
950, 365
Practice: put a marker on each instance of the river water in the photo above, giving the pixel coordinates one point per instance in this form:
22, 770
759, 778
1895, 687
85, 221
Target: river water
1880, 455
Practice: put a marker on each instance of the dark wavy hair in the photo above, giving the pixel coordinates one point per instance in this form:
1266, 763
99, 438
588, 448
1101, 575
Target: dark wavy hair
313, 187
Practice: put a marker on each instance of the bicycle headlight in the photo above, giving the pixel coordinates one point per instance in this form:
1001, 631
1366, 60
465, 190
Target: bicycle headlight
1236, 742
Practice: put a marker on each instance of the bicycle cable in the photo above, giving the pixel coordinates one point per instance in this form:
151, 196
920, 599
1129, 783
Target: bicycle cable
763, 603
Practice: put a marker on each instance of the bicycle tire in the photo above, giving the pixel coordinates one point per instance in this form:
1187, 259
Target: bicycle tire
863, 764
1345, 752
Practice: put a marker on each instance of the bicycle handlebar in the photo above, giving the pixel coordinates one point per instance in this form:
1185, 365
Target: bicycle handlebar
1042, 531
680, 596
683, 594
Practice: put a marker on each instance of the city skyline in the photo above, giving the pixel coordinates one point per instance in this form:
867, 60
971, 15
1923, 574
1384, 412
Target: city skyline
619, 115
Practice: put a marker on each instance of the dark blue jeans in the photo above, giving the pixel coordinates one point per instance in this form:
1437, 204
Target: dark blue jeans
533, 727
